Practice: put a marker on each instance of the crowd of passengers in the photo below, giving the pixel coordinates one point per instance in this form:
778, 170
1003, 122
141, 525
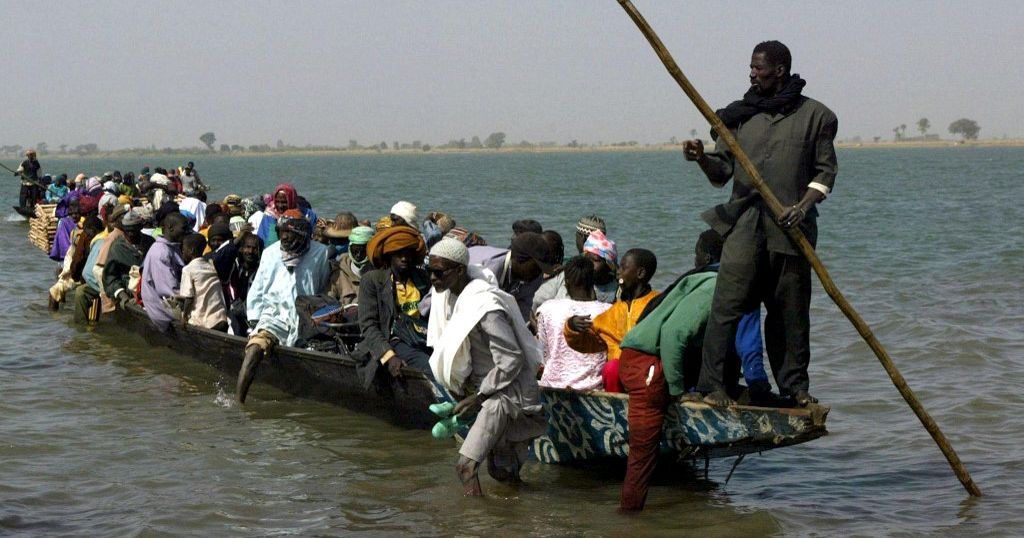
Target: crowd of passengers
267, 268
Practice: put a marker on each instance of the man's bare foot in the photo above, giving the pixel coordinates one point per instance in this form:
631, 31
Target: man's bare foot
719, 398
693, 397
469, 475
803, 398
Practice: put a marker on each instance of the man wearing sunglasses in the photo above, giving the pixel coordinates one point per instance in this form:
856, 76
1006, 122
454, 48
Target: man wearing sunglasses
484, 355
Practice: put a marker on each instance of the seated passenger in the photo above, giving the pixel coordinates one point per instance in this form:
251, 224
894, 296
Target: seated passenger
404, 213
57, 190
348, 271
293, 266
336, 236
200, 288
87, 294
565, 367
236, 262
123, 258
605, 331
602, 252
586, 226
74, 260
161, 270
62, 240
283, 199
518, 270
484, 353
393, 327
661, 361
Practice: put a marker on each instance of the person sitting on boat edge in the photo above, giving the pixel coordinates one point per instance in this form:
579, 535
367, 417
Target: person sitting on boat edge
605, 332
485, 354
295, 265
661, 361
236, 262
347, 272
62, 239
391, 303
565, 367
87, 294
161, 270
519, 270
74, 260
200, 290
123, 258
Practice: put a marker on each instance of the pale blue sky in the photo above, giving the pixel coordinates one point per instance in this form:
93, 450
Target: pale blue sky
138, 73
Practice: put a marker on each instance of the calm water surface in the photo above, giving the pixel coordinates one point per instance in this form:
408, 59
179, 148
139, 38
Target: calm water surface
101, 435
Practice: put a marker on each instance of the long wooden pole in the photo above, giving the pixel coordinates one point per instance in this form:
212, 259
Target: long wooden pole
805, 247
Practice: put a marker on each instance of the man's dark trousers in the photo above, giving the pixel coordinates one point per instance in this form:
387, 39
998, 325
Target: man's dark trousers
751, 274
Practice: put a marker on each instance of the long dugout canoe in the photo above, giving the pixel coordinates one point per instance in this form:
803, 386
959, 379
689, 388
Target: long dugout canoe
581, 425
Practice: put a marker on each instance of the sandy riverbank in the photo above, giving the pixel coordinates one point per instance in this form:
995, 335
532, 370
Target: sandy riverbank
1009, 142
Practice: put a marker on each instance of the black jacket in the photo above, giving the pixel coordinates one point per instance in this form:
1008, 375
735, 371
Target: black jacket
378, 309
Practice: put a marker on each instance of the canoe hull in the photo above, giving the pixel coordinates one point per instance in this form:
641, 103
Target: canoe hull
581, 426
584, 426
327, 377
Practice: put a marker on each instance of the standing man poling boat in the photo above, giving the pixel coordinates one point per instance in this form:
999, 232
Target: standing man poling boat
790, 139
29, 172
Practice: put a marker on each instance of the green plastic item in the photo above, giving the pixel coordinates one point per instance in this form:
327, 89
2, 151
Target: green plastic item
443, 409
445, 429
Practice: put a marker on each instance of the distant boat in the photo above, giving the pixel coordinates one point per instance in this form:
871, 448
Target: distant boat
27, 212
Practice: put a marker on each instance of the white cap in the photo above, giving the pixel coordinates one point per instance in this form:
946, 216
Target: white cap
451, 249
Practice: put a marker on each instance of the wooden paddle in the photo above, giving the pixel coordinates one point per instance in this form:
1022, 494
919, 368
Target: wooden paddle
805, 247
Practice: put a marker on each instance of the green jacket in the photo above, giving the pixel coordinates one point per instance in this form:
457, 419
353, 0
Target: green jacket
674, 330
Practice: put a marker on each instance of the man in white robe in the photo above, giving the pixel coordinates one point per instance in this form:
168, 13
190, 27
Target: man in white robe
485, 354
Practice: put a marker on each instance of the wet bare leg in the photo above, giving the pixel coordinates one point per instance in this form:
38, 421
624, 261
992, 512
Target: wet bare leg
504, 466
469, 474
253, 356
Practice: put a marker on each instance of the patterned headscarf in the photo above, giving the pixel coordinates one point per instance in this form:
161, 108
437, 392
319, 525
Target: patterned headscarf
601, 246
289, 193
296, 245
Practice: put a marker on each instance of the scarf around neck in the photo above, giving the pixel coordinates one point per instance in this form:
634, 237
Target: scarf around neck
785, 101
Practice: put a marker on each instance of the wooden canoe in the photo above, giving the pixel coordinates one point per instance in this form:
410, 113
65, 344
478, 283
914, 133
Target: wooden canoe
581, 426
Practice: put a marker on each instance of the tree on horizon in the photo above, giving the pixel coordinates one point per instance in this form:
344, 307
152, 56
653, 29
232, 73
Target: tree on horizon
923, 125
966, 128
208, 138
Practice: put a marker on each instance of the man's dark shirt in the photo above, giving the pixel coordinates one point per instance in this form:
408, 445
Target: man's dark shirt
30, 169
790, 151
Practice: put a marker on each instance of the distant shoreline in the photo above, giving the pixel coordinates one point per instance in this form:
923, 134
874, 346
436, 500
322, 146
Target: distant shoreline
297, 152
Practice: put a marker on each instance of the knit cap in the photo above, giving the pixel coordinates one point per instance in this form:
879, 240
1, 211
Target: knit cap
451, 249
